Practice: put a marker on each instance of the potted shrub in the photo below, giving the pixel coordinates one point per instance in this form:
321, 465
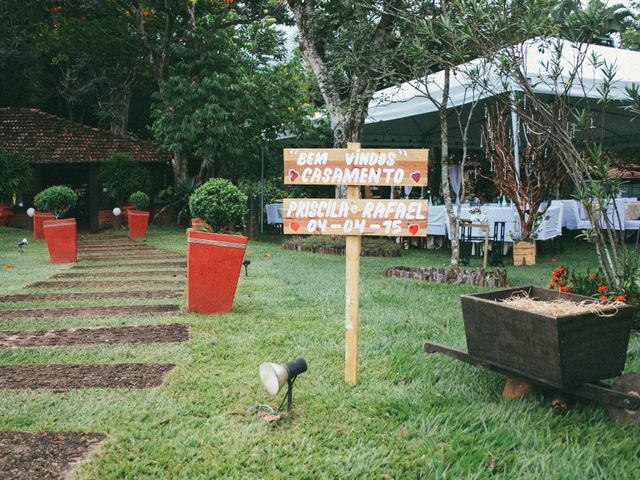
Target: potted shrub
214, 260
139, 214
60, 233
15, 174
122, 176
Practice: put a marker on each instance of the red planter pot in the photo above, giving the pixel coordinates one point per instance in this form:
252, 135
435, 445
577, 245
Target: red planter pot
38, 219
200, 224
125, 213
138, 222
6, 214
61, 240
214, 262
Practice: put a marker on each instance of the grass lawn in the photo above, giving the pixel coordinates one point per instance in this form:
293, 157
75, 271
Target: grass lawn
411, 416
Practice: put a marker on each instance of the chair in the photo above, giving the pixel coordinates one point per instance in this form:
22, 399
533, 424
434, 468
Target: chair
573, 218
274, 213
548, 229
497, 250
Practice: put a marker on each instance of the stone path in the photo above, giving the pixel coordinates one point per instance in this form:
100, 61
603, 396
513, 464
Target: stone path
67, 297
27, 455
174, 332
86, 312
107, 284
61, 378
44, 455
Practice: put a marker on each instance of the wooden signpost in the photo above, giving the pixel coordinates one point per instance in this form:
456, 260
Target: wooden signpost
354, 217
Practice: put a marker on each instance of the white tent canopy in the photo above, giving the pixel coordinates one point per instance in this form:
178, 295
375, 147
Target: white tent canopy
403, 115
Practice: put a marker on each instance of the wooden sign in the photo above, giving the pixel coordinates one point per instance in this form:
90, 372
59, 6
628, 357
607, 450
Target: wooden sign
354, 217
330, 216
347, 166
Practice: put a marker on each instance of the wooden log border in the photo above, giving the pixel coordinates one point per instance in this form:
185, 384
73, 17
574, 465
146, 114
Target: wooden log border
478, 277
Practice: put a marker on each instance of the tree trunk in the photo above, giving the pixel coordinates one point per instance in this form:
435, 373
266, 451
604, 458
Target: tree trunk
179, 165
446, 191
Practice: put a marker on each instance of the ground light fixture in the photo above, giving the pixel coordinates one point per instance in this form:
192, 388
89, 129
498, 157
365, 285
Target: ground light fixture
22, 243
116, 212
246, 264
273, 377
31, 211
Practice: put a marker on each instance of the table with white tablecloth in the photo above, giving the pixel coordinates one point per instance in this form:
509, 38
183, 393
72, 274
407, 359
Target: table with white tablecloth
438, 225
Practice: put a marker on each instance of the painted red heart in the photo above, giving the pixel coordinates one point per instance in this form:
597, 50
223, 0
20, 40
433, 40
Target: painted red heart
295, 226
416, 176
293, 175
413, 228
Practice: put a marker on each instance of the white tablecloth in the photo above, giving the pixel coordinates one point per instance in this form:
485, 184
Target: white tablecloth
438, 224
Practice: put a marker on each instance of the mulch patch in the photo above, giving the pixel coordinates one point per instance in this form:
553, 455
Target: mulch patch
87, 312
104, 284
144, 256
62, 297
44, 455
174, 332
133, 265
61, 378
151, 273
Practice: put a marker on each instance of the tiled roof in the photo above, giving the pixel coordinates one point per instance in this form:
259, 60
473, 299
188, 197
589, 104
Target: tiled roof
45, 138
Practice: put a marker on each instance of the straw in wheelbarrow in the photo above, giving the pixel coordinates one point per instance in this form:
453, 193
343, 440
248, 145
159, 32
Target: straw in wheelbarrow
561, 306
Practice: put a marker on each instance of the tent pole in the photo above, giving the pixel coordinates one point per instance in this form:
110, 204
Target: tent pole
515, 128
261, 188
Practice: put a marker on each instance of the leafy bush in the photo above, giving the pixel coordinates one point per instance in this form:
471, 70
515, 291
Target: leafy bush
122, 176
371, 247
219, 203
57, 200
15, 173
140, 200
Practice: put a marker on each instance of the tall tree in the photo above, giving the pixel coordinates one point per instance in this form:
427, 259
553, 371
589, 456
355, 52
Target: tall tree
165, 28
350, 48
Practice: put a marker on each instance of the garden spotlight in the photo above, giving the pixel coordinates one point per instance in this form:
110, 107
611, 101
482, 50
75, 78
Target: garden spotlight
273, 376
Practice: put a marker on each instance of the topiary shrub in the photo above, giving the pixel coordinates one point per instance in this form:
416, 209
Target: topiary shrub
219, 203
122, 176
15, 173
139, 200
57, 200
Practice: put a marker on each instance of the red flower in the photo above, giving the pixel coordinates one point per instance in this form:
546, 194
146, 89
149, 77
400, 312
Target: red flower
560, 271
55, 8
602, 289
551, 285
620, 298
9, 266
564, 289
592, 276
604, 298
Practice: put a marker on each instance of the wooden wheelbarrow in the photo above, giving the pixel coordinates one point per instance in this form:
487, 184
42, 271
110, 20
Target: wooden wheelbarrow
622, 399
566, 353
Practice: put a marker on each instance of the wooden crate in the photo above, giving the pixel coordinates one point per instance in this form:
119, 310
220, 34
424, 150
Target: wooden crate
524, 253
559, 351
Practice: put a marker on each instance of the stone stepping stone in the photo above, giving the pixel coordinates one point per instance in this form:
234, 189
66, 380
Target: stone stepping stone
105, 284
174, 332
144, 256
62, 297
61, 378
132, 265
87, 312
44, 455
150, 273
117, 250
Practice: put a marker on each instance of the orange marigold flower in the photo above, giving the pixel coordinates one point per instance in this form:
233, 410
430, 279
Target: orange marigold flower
564, 289
602, 289
620, 298
9, 266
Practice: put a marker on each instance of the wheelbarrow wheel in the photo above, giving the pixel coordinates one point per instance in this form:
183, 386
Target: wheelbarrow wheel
630, 385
